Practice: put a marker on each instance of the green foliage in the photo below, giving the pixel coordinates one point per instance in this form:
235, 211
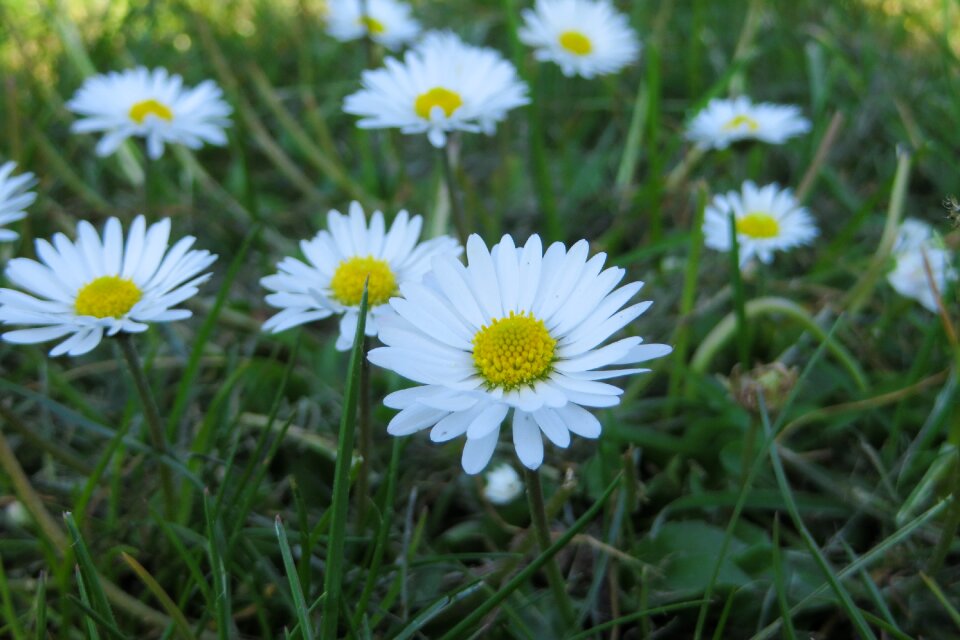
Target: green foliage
696, 513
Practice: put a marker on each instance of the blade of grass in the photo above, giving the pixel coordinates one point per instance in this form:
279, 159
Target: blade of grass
780, 583
91, 614
941, 598
221, 580
88, 571
506, 590
333, 579
300, 605
851, 609
40, 604
9, 613
161, 595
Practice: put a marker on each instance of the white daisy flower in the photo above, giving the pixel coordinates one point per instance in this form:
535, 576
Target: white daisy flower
387, 22
340, 260
516, 329
151, 104
767, 219
723, 122
916, 247
443, 85
585, 37
14, 198
503, 484
95, 285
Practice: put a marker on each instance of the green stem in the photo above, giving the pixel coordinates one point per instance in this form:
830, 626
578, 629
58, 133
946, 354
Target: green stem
365, 441
538, 516
951, 524
453, 192
152, 417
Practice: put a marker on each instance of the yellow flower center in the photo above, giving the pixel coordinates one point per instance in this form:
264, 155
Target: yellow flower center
741, 122
107, 297
513, 351
757, 224
447, 100
372, 25
151, 107
576, 43
348, 280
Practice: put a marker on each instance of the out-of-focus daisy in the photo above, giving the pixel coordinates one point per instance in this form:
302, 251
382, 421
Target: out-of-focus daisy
916, 248
516, 329
441, 86
584, 37
340, 260
767, 219
151, 104
503, 484
722, 122
14, 198
91, 286
387, 22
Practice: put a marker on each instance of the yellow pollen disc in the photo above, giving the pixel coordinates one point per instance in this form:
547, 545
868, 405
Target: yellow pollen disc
347, 282
576, 43
144, 108
741, 122
447, 100
107, 297
373, 25
513, 351
757, 224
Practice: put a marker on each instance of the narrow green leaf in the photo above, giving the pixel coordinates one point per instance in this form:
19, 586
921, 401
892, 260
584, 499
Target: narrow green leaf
333, 580
504, 592
40, 628
9, 613
221, 581
300, 605
161, 595
88, 571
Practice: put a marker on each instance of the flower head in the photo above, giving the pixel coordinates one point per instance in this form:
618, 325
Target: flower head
515, 330
387, 22
916, 249
340, 261
14, 198
503, 484
584, 37
96, 285
767, 219
151, 104
441, 86
722, 122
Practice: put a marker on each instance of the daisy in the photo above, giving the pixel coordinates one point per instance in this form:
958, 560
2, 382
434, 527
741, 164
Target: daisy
151, 104
386, 22
515, 330
503, 484
916, 248
585, 37
767, 219
443, 85
340, 260
14, 198
722, 122
91, 286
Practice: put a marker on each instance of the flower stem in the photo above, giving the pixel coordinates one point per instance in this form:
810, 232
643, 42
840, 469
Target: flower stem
152, 416
365, 441
456, 197
538, 515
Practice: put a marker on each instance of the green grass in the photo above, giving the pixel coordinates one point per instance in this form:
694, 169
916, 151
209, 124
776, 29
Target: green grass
831, 513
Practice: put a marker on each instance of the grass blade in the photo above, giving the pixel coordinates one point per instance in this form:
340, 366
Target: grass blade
306, 629
333, 580
158, 592
88, 572
504, 592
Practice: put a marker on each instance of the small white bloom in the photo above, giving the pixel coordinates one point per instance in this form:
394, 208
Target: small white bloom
387, 22
515, 330
503, 484
340, 261
95, 285
722, 122
14, 198
151, 104
440, 86
767, 219
916, 247
584, 37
